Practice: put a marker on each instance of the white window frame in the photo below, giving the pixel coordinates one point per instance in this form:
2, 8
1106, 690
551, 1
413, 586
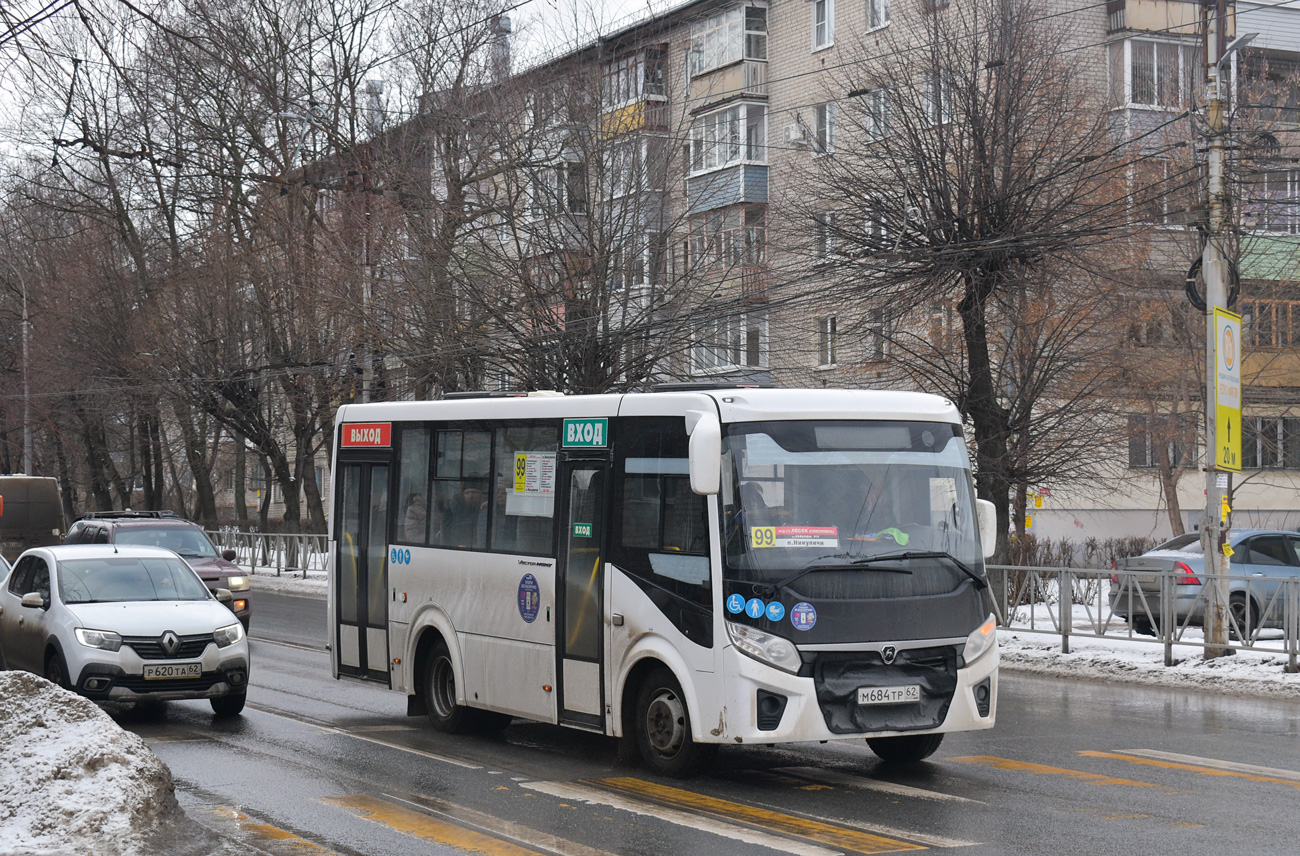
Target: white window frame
824, 128
723, 138
877, 14
875, 112
726, 344
1121, 61
723, 38
824, 236
827, 336
936, 110
822, 24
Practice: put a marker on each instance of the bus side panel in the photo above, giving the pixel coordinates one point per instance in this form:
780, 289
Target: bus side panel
507, 658
647, 632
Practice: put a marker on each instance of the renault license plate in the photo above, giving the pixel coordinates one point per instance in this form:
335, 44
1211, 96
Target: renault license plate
163, 671
889, 695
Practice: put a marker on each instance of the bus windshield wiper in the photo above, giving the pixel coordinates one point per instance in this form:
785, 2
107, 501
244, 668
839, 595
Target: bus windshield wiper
817, 564
926, 554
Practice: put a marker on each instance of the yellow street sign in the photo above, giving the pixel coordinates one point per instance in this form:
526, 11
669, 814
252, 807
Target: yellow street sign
1227, 389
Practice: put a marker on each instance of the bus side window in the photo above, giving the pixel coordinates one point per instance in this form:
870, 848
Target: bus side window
523, 490
412, 519
461, 489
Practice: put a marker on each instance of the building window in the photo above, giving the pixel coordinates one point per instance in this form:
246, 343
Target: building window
1273, 201
1275, 317
875, 113
633, 77
730, 342
727, 237
936, 98
729, 136
824, 127
726, 37
877, 14
824, 235
560, 188
1147, 73
1270, 442
879, 331
1148, 434
823, 23
826, 336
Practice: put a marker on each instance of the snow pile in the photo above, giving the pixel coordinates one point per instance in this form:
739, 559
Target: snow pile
69, 773
1248, 673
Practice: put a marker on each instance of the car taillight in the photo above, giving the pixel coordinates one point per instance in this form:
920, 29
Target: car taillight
1186, 578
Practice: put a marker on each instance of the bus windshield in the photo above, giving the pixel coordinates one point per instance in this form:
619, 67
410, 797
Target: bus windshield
805, 493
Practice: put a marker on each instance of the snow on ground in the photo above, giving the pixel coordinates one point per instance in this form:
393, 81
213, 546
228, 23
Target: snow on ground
70, 776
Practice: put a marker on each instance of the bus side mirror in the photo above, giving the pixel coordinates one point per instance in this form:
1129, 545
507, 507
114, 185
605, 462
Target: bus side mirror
705, 451
987, 514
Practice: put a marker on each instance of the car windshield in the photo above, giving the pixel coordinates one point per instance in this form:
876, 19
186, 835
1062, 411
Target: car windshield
819, 492
187, 541
117, 579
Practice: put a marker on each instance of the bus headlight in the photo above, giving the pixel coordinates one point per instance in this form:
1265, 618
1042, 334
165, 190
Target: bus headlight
981, 640
764, 647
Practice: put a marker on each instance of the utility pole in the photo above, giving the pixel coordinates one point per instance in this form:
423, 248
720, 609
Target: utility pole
26, 370
1214, 265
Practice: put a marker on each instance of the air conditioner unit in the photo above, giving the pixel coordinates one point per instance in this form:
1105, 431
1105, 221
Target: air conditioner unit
796, 135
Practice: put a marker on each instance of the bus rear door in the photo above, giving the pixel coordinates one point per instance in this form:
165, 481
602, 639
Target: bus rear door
361, 569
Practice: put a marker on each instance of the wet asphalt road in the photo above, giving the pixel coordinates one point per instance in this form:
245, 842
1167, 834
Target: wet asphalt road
319, 766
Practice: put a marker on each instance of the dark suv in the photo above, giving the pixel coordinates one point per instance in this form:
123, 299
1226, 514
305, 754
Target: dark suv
183, 537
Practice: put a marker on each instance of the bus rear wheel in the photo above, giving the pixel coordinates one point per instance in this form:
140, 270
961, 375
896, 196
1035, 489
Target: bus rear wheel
663, 729
440, 692
907, 749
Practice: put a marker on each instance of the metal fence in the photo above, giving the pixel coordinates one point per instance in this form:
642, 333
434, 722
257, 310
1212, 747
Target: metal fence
1074, 603
283, 553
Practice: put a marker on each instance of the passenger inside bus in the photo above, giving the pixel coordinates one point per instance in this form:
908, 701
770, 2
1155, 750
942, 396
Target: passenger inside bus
465, 519
415, 517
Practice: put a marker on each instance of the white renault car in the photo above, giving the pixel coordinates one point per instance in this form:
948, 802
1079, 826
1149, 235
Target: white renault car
122, 624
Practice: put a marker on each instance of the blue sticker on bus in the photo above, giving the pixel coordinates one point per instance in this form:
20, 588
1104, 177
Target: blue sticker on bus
775, 611
735, 604
803, 616
530, 598
755, 608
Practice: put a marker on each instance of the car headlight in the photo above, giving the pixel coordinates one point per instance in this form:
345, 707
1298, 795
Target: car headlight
764, 647
105, 640
228, 635
237, 583
981, 640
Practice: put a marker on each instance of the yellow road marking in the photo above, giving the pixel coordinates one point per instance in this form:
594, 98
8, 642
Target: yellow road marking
1193, 768
771, 821
421, 825
267, 833
1042, 770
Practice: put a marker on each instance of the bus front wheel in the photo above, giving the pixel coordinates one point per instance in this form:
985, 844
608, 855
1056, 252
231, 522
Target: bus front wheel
663, 728
440, 692
907, 749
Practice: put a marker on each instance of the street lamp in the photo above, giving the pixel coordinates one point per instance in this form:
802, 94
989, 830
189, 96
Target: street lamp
1214, 263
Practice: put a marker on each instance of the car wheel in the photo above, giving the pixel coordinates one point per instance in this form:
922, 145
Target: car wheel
56, 671
1144, 627
1245, 616
231, 704
908, 749
440, 693
663, 729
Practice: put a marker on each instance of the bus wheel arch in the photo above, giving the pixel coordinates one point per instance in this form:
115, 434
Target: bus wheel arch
658, 720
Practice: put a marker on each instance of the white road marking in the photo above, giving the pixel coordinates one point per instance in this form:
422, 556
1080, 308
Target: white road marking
834, 777
443, 758
501, 828
1231, 766
582, 793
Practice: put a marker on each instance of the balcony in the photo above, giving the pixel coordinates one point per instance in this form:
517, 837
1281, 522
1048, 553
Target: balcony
753, 284
748, 77
1169, 17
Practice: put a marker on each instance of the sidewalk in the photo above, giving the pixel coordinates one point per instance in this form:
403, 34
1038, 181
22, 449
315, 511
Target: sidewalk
1111, 659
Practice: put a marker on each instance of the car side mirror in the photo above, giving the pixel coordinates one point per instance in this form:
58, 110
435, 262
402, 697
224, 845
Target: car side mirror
34, 600
228, 554
224, 596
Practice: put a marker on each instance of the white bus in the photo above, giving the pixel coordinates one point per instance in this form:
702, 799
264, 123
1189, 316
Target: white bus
684, 569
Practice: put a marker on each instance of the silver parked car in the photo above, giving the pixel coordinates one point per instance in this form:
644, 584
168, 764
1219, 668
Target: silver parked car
1262, 559
123, 624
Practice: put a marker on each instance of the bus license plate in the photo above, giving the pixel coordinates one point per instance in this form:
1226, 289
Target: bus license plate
889, 695
173, 670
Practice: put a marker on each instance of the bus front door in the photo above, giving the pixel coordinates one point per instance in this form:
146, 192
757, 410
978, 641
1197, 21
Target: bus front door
580, 588
361, 573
